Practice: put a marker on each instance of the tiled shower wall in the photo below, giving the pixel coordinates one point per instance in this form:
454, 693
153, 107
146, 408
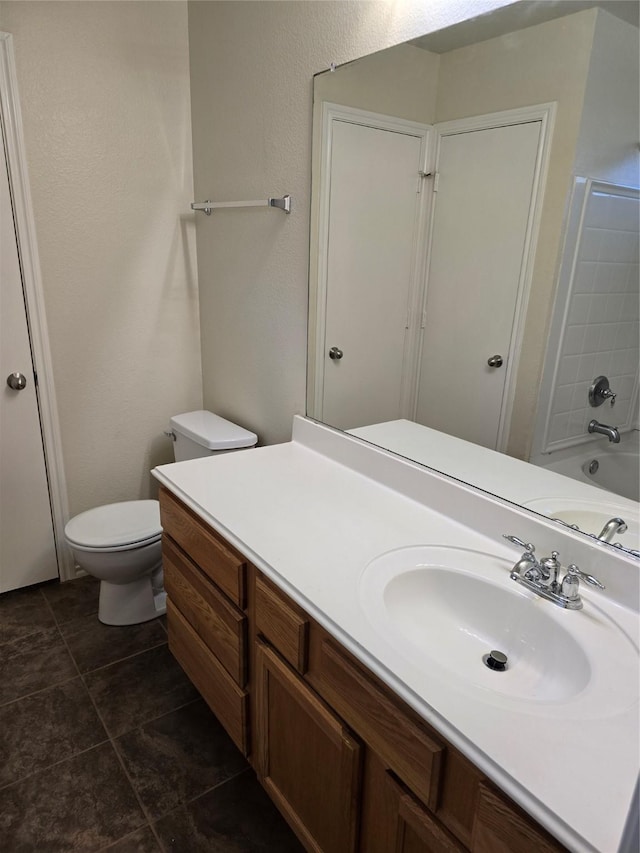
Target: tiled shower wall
601, 330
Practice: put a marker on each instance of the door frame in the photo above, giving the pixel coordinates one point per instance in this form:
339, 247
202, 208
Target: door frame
545, 114
319, 259
15, 153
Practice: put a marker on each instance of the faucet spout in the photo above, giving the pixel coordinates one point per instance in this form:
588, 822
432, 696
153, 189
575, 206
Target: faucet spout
613, 526
612, 433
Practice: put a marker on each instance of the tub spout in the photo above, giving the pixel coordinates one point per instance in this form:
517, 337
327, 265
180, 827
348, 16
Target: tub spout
613, 526
612, 433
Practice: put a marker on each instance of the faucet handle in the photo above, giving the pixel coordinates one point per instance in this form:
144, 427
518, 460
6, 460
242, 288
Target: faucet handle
526, 545
574, 570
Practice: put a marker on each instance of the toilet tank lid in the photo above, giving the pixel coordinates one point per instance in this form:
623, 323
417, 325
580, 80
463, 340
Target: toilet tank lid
212, 431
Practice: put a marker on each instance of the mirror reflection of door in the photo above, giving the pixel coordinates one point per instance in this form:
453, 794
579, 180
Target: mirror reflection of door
477, 263
373, 208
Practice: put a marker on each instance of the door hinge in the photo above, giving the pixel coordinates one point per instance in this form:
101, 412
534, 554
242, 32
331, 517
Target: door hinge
35, 378
421, 176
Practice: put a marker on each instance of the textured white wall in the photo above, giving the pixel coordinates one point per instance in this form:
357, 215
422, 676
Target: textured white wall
608, 144
104, 89
252, 65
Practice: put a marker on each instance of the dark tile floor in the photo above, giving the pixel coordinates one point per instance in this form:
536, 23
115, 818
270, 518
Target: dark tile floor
105, 744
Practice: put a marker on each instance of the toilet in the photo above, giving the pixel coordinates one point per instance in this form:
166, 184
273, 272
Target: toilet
120, 543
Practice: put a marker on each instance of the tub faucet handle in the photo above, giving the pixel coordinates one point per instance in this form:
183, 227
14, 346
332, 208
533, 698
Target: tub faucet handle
514, 539
600, 391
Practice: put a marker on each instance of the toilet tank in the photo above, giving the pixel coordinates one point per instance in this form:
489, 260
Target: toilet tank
202, 433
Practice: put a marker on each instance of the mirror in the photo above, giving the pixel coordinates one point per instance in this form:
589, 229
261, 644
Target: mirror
474, 255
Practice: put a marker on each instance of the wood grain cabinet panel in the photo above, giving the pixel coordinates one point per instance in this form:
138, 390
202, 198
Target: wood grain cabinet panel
500, 827
307, 760
407, 750
220, 624
417, 831
223, 564
284, 624
228, 702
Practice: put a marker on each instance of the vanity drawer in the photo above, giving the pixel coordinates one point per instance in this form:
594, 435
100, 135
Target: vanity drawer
224, 565
382, 723
221, 626
228, 702
284, 624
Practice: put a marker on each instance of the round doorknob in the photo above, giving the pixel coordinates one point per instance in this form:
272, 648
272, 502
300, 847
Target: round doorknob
17, 381
335, 353
495, 361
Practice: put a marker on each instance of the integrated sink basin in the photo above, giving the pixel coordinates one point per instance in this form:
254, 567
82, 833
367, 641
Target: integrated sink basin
446, 609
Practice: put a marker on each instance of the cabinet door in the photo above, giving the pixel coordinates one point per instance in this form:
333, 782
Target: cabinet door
417, 831
306, 759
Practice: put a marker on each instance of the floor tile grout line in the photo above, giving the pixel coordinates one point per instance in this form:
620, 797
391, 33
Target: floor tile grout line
69, 652
41, 628
120, 660
54, 764
53, 612
144, 809
112, 742
113, 844
41, 690
147, 720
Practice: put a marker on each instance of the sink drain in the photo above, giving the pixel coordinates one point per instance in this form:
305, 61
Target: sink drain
495, 660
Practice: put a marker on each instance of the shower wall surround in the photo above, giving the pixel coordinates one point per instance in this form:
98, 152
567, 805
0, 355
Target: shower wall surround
601, 332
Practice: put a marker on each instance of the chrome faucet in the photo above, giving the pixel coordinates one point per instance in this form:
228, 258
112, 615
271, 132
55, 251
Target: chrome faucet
543, 576
612, 433
613, 526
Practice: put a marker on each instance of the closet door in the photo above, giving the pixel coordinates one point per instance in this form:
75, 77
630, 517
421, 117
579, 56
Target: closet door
371, 245
477, 260
27, 545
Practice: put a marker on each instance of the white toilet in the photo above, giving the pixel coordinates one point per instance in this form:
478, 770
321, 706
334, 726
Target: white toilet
120, 543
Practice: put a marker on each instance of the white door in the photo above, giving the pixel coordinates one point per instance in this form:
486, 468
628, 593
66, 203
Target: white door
372, 234
27, 545
481, 219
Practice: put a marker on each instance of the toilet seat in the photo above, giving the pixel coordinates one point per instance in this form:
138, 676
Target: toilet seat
116, 527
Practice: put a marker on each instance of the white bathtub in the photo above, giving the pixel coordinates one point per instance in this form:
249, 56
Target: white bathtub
616, 468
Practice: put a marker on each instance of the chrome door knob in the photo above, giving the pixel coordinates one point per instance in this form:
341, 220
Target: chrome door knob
335, 353
17, 381
495, 361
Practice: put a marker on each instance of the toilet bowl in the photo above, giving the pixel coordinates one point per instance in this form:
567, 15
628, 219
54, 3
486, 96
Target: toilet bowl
120, 543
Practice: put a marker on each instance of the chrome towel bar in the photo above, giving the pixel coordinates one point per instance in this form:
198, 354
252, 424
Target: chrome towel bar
283, 203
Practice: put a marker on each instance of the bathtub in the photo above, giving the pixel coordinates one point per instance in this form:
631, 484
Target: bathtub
615, 467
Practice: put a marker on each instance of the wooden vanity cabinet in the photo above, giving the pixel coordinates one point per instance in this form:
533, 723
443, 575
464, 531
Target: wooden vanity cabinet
305, 757
351, 767
206, 579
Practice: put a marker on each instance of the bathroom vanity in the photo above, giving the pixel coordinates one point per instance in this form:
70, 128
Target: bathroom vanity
280, 612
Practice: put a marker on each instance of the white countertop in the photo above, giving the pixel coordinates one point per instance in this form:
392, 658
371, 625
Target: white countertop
541, 489
306, 514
